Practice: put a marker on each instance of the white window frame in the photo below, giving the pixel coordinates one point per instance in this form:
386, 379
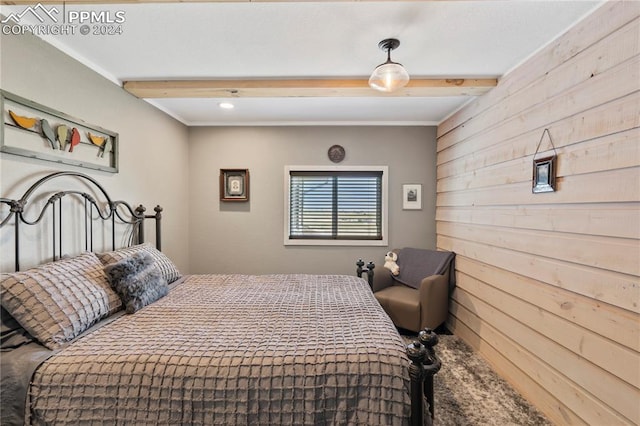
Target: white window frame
330, 242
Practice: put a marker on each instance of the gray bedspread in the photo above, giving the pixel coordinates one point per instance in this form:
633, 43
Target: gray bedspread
16, 368
17, 365
235, 349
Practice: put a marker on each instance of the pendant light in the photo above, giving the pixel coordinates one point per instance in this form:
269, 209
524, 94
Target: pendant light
390, 75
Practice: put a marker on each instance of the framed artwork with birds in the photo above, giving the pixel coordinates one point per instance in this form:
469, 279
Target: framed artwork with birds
32, 130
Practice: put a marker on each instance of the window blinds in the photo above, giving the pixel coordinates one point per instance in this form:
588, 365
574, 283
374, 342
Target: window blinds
335, 205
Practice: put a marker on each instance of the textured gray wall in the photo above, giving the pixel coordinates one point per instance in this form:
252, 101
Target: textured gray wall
248, 237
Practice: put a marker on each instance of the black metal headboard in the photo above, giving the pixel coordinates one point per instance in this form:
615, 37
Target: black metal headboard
110, 210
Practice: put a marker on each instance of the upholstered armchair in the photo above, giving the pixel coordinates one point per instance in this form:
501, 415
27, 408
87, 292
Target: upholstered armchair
418, 296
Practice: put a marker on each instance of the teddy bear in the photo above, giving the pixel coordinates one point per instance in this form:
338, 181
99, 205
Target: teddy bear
390, 263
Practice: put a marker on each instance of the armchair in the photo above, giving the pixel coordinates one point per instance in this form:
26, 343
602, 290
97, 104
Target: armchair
418, 297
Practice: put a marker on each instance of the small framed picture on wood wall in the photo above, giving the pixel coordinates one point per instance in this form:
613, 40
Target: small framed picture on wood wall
234, 184
544, 174
412, 196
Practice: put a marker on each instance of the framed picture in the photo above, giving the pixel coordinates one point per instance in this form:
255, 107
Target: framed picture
412, 196
544, 174
234, 184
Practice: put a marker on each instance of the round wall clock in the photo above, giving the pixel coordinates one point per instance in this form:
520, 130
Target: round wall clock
336, 153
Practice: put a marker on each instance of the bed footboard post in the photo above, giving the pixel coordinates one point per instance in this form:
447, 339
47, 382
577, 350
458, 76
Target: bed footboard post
416, 353
370, 267
368, 270
431, 365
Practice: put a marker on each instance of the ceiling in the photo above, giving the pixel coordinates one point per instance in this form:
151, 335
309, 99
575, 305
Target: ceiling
292, 40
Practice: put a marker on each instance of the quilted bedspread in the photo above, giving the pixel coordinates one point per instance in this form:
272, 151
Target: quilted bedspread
235, 349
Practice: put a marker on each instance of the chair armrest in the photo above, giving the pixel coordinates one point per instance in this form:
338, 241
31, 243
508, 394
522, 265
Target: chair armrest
434, 300
382, 279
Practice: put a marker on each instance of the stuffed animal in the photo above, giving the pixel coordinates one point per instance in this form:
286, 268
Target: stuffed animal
390, 263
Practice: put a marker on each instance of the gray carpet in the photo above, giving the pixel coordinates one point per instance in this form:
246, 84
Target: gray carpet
468, 392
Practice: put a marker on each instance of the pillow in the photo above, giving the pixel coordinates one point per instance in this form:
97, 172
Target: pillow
168, 269
58, 301
137, 280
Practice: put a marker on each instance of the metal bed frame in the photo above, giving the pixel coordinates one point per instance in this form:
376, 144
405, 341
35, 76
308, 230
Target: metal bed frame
111, 210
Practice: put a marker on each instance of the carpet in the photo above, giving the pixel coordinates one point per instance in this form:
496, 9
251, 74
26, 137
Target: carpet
468, 392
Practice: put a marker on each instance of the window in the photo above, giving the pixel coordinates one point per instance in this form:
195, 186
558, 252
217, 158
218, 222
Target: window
335, 205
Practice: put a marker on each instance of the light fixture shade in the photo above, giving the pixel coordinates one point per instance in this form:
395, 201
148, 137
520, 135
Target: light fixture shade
391, 75
388, 77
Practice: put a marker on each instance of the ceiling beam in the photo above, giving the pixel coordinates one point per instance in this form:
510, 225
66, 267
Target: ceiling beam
295, 88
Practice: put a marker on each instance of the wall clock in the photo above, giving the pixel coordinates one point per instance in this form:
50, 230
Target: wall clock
336, 153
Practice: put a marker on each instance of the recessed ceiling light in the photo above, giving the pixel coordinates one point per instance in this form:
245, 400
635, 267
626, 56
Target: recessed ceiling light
226, 105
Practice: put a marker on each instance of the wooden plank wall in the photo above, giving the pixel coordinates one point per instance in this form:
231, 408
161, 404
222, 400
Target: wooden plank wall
548, 287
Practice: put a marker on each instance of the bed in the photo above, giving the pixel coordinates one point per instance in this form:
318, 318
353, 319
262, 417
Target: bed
292, 349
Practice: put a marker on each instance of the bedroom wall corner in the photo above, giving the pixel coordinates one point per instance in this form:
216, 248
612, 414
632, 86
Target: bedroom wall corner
548, 284
153, 146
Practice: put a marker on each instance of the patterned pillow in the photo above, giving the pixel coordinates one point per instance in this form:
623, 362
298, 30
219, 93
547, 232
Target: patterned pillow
137, 280
168, 269
57, 301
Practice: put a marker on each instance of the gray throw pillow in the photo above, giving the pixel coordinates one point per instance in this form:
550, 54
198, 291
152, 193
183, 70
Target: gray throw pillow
169, 270
137, 280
